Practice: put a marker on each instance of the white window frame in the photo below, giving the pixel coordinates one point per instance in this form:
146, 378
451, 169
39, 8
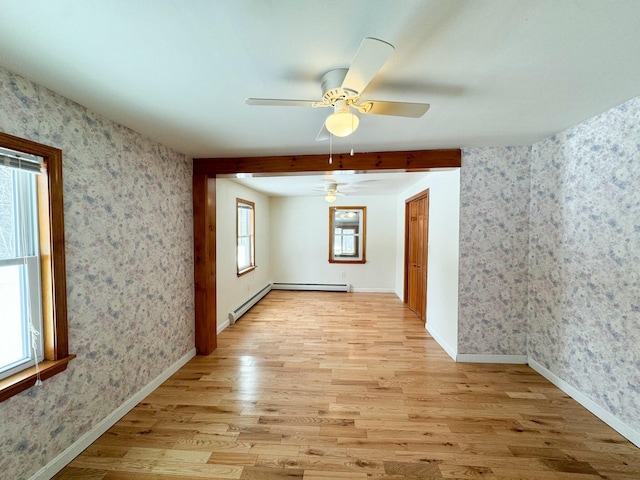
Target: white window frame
31, 316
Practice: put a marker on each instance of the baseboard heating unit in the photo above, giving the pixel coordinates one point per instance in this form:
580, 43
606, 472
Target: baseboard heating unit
240, 310
244, 308
323, 287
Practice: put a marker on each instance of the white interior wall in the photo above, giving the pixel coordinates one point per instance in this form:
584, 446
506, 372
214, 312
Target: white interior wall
298, 247
300, 242
443, 251
231, 289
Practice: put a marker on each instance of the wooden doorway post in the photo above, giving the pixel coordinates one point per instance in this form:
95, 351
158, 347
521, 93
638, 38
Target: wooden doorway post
204, 253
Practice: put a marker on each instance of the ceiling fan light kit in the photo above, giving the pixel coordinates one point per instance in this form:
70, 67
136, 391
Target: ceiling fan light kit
331, 188
342, 88
342, 122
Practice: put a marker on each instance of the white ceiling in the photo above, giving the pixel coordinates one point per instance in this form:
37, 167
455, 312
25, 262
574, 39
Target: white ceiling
496, 72
349, 183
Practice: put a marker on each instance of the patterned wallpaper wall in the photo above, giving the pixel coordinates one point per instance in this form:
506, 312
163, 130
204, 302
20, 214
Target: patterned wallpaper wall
494, 233
549, 255
584, 304
129, 250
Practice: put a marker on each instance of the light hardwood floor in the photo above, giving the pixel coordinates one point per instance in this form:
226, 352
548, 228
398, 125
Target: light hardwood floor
321, 386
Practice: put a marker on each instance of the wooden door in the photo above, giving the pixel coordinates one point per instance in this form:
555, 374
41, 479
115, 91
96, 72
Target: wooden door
416, 244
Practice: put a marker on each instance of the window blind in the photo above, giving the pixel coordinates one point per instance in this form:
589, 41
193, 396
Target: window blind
20, 160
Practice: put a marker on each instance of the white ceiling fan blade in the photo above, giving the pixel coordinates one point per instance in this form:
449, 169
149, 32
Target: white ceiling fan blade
371, 55
323, 134
397, 109
279, 102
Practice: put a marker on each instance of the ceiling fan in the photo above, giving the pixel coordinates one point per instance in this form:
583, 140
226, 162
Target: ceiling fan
342, 89
331, 189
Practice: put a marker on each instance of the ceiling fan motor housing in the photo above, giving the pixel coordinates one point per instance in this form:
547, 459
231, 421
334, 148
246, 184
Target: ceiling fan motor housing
332, 90
331, 187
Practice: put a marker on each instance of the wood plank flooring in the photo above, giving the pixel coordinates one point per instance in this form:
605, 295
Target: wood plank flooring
324, 386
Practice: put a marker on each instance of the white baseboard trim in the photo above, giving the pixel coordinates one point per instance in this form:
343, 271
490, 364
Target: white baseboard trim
222, 326
312, 287
371, 290
481, 358
59, 462
614, 422
445, 346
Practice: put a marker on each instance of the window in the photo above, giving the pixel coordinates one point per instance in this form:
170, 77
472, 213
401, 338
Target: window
245, 235
347, 231
21, 341
33, 341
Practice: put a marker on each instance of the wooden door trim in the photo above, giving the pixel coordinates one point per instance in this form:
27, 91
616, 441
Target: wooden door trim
407, 218
205, 171
419, 196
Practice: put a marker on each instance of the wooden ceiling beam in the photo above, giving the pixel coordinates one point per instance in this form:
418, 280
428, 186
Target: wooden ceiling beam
407, 161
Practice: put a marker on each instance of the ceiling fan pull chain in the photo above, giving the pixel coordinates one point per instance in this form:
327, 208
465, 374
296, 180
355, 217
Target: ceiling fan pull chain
351, 138
351, 146
330, 149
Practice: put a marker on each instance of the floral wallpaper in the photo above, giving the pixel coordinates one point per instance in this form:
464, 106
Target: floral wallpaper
584, 302
494, 232
129, 254
549, 255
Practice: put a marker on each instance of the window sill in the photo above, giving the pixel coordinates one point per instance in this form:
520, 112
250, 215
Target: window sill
246, 270
19, 382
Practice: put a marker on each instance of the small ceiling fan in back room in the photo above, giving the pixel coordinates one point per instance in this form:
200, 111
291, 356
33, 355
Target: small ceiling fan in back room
342, 89
332, 189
